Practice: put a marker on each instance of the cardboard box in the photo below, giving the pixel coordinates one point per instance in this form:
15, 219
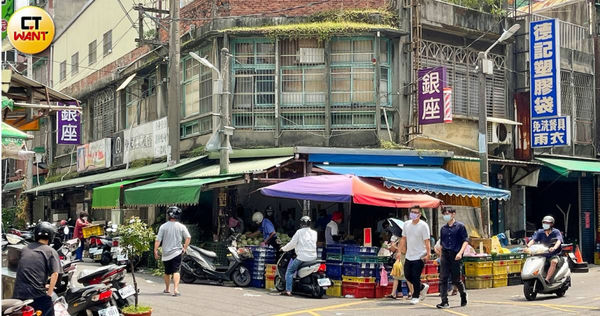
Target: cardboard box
486, 242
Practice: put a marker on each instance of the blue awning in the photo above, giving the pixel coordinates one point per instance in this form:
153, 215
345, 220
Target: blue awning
422, 179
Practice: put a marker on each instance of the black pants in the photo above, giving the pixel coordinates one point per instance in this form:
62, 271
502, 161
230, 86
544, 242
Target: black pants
450, 268
412, 273
44, 304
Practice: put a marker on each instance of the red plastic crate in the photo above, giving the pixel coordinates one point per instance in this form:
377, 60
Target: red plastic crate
358, 290
382, 291
429, 268
434, 286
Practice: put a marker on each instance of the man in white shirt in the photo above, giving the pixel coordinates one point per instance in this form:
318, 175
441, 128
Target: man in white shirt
415, 243
305, 243
331, 231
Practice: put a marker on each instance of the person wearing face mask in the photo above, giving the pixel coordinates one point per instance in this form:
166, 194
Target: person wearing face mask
417, 247
545, 236
82, 222
453, 241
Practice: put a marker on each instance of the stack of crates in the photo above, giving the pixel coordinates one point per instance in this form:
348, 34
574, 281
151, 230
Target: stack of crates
478, 272
263, 256
359, 271
270, 272
500, 268
514, 269
333, 260
359, 287
430, 276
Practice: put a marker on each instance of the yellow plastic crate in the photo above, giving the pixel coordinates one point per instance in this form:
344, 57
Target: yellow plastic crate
479, 282
478, 268
500, 280
335, 290
596, 257
500, 267
270, 269
93, 230
514, 266
270, 283
358, 279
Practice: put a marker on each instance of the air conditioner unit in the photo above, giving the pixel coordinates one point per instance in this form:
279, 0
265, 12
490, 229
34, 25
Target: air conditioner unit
311, 55
499, 133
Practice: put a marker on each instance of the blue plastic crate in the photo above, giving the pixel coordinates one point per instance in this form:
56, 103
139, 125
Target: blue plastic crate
349, 269
366, 272
334, 271
258, 283
350, 259
334, 250
351, 250
368, 251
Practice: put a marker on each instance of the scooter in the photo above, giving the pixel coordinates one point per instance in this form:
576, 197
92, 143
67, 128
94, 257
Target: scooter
535, 270
113, 276
310, 278
199, 263
15, 307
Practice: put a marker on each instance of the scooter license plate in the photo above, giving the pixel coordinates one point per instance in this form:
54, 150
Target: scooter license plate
111, 311
324, 282
121, 258
127, 291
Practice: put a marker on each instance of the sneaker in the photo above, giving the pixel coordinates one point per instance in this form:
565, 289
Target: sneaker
423, 293
463, 300
414, 301
442, 305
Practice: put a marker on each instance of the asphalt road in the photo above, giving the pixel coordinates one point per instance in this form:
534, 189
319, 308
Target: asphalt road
205, 299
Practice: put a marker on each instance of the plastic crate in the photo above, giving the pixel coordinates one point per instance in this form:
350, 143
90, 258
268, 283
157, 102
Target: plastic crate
367, 259
368, 251
514, 279
500, 280
478, 268
334, 257
358, 290
383, 291
334, 271
514, 266
434, 286
270, 269
500, 267
93, 230
354, 279
350, 259
257, 283
351, 250
477, 259
270, 283
429, 269
335, 290
334, 250
479, 282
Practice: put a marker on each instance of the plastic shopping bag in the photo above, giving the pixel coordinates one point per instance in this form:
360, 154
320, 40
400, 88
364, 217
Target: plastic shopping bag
383, 281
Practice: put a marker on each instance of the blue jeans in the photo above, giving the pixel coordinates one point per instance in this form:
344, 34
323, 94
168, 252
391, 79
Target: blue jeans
79, 251
289, 274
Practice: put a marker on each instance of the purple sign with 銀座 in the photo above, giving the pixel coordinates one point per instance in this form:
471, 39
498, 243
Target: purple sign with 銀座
68, 126
431, 85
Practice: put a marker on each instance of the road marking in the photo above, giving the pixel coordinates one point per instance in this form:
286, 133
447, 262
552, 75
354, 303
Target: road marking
325, 308
446, 310
560, 309
313, 313
538, 304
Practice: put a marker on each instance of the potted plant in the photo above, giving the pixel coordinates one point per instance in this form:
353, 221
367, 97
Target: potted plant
136, 238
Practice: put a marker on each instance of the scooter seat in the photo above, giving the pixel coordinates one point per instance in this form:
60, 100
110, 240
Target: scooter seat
9, 303
86, 275
309, 263
204, 252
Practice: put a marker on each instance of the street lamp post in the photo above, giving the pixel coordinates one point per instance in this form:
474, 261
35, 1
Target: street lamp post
225, 129
486, 67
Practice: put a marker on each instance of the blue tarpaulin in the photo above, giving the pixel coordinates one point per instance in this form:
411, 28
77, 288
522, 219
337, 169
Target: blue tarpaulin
422, 179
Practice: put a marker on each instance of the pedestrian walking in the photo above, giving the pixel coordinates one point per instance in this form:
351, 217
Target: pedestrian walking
170, 236
454, 241
81, 222
417, 247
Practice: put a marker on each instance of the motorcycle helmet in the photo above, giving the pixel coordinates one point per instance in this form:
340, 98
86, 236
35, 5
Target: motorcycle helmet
44, 230
548, 219
174, 212
305, 221
257, 217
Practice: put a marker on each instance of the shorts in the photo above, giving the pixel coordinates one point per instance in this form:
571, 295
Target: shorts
173, 265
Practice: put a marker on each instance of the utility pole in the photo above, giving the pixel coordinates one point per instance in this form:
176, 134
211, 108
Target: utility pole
225, 124
173, 107
483, 65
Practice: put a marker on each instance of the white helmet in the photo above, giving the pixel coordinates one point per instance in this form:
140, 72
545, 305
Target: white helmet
549, 219
257, 217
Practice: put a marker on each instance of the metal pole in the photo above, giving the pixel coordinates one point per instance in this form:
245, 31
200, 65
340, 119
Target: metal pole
173, 107
483, 152
224, 100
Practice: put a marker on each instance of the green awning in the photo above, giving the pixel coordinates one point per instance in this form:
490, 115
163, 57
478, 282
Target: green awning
109, 196
169, 192
565, 166
11, 186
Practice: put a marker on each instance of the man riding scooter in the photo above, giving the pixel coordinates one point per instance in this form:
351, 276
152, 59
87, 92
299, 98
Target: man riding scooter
304, 242
545, 236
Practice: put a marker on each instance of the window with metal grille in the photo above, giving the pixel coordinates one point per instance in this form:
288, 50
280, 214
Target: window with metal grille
190, 86
92, 52
107, 42
63, 70
75, 63
254, 83
583, 87
103, 114
131, 103
352, 72
462, 78
302, 74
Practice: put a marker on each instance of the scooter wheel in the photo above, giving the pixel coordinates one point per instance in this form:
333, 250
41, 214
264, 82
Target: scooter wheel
529, 290
279, 284
241, 279
187, 277
106, 258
